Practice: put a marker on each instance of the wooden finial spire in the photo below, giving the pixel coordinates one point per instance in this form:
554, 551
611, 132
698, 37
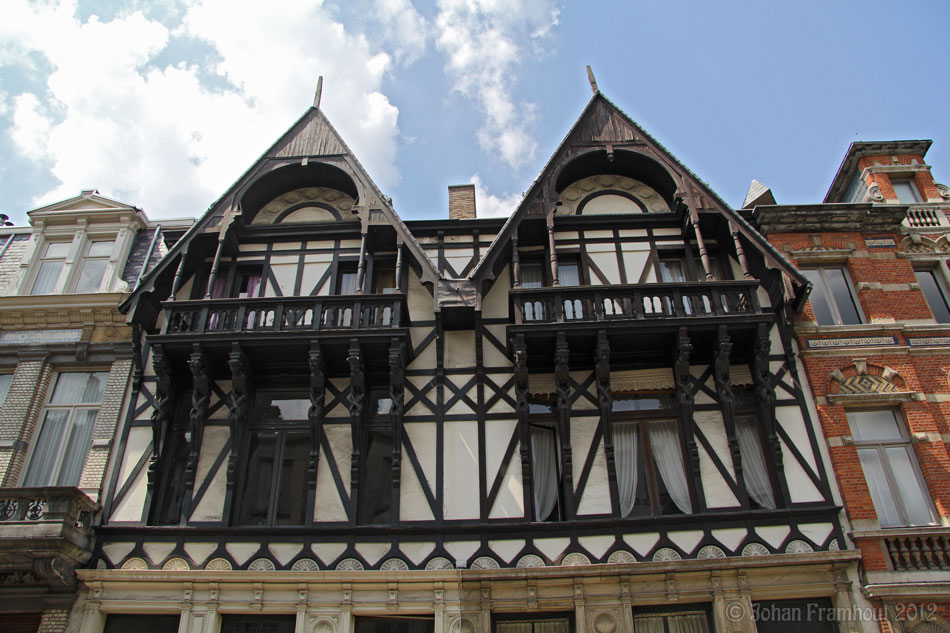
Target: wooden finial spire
590, 78
318, 93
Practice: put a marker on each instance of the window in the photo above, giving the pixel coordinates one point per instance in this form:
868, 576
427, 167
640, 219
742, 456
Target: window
890, 467
346, 277
240, 282
569, 273
755, 471
906, 190
141, 623
935, 291
532, 274
384, 278
651, 474
66, 433
832, 297
545, 461
815, 615
375, 499
670, 619
5, 381
51, 265
94, 266
540, 623
258, 623
278, 450
401, 624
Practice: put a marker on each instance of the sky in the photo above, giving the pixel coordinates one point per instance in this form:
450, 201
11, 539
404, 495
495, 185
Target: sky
163, 104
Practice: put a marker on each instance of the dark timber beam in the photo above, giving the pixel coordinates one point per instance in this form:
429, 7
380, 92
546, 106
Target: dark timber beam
562, 380
356, 403
318, 389
239, 408
200, 399
727, 406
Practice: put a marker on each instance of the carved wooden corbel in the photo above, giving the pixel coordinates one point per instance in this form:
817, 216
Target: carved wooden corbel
238, 408
163, 413
356, 402
200, 400
318, 388
397, 384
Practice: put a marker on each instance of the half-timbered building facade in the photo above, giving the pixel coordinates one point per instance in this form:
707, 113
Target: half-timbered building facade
586, 417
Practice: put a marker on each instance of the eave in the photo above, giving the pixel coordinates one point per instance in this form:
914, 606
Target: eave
857, 151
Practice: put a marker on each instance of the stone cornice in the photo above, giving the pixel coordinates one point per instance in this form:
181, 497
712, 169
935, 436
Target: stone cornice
856, 217
67, 310
859, 150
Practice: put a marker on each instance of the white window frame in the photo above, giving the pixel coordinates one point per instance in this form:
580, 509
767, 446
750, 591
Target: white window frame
941, 282
80, 263
832, 302
41, 259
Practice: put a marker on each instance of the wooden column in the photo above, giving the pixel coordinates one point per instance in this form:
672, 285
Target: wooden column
553, 250
515, 263
701, 243
524, 432
684, 407
213, 275
400, 272
563, 386
397, 383
356, 402
179, 272
605, 402
200, 399
727, 407
361, 266
740, 252
318, 389
238, 411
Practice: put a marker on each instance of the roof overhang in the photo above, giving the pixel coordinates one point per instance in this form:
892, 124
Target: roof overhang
861, 217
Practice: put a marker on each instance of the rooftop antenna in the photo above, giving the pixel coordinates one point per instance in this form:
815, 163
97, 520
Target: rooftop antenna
590, 78
318, 93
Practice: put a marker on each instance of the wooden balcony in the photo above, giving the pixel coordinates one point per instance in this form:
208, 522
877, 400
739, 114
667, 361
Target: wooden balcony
642, 320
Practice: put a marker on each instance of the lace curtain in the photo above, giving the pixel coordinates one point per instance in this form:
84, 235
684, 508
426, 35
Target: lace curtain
544, 465
753, 462
625, 449
664, 440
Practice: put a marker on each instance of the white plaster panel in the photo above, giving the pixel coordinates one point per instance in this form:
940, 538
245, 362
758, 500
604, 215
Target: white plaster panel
157, 552
426, 358
634, 262
800, 487
713, 427
338, 409
596, 545
115, 552
252, 248
601, 247
284, 552
328, 506
462, 550
419, 300
372, 552
566, 235
422, 435
666, 231
130, 508
686, 540
495, 303
328, 552
461, 461
211, 506
642, 543
582, 435
416, 552
317, 258
762, 295
222, 411
509, 503
701, 396
583, 404
774, 535
311, 275
286, 276
506, 549
596, 497
347, 243
199, 552
240, 552
552, 547
793, 422
607, 263
817, 532
715, 488
498, 434
501, 405
730, 537
413, 505
597, 235
184, 293
459, 349
633, 232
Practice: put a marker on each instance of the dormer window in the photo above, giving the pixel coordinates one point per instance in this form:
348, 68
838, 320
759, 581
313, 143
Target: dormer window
51, 265
94, 265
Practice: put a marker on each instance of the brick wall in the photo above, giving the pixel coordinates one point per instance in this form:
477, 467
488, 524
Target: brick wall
462, 202
54, 621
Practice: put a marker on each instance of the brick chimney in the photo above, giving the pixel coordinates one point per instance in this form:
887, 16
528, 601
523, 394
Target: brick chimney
461, 202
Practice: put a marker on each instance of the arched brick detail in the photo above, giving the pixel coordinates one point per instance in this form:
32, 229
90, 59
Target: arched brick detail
864, 377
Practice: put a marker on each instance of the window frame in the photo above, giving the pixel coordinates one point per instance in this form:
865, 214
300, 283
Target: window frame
673, 610
894, 490
748, 407
830, 297
547, 420
532, 617
80, 264
66, 442
911, 183
38, 262
642, 418
936, 272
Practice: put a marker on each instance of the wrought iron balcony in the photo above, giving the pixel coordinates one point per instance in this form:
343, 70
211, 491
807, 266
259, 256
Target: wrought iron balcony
637, 302
284, 314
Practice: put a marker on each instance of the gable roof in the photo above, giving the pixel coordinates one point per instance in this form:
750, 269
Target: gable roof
311, 136
603, 126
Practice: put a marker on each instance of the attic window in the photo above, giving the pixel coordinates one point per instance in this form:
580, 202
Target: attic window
611, 203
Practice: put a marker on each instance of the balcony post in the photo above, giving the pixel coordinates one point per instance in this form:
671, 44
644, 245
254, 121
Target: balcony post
400, 273
213, 275
315, 415
740, 252
179, 272
552, 249
515, 263
701, 243
361, 266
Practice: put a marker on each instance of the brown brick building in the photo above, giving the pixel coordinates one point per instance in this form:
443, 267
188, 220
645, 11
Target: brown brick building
874, 341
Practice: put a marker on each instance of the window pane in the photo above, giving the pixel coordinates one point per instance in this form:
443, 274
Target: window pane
385, 282
292, 487
347, 283
91, 275
57, 249
376, 489
258, 623
79, 388
642, 403
906, 191
874, 425
672, 270
100, 249
818, 298
912, 495
289, 409
45, 457
80, 438
568, 274
532, 275
5, 381
46, 278
255, 502
838, 285
672, 489
935, 298
880, 491
142, 623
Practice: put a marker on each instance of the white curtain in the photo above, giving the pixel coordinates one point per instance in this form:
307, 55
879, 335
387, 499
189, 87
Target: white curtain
664, 440
688, 623
648, 624
543, 462
79, 388
532, 276
46, 278
551, 626
513, 627
753, 462
625, 449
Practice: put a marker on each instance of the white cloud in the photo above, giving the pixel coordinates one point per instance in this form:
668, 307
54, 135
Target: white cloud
480, 39
488, 205
151, 133
402, 28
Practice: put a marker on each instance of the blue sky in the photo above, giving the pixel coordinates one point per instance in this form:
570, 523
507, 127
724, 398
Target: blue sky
163, 104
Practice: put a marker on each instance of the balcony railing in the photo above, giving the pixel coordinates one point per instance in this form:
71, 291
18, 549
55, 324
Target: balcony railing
923, 216
576, 304
280, 314
924, 551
